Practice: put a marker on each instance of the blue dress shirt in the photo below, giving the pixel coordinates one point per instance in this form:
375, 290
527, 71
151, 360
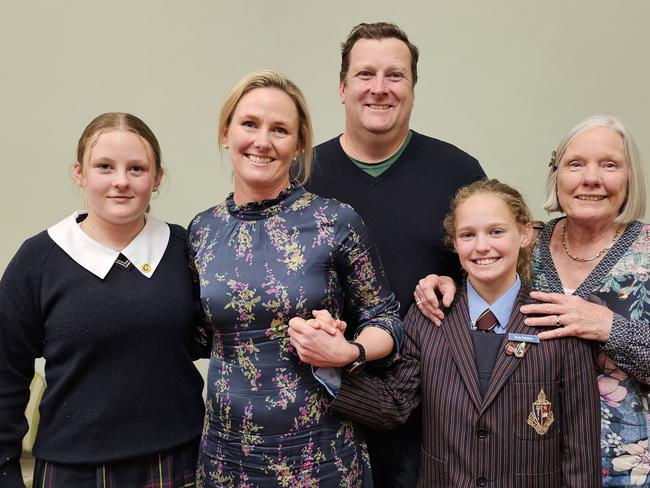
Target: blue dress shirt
501, 308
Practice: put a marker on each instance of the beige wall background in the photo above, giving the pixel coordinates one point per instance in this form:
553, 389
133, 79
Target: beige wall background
503, 80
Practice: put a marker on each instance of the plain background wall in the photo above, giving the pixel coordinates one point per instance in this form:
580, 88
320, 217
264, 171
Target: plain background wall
503, 80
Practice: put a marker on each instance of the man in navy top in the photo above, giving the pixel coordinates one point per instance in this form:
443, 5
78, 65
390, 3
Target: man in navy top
401, 183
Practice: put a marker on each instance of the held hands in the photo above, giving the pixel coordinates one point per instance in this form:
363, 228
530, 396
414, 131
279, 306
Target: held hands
324, 321
572, 316
320, 341
427, 300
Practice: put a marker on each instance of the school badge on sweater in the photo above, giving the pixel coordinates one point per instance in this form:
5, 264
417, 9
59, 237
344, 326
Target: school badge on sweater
542, 416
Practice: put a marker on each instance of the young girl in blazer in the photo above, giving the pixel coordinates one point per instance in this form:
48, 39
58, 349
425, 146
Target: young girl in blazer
500, 408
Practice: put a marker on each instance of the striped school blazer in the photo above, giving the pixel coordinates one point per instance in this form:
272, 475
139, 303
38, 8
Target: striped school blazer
538, 425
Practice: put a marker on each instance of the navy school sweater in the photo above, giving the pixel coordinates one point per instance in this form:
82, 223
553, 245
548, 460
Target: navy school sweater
119, 351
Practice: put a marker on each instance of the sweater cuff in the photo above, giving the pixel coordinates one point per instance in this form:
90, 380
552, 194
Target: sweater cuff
618, 337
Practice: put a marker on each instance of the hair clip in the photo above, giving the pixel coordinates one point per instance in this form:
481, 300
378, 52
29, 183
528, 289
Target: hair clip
553, 162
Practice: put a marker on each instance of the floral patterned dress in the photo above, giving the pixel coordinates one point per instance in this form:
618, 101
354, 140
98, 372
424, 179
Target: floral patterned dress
620, 281
259, 265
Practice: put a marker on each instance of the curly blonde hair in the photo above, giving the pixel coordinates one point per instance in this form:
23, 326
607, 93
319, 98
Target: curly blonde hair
511, 197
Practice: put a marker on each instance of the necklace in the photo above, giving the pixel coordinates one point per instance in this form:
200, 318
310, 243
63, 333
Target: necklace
596, 256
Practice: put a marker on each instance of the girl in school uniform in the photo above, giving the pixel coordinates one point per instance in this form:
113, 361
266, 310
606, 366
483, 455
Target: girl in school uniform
107, 297
500, 408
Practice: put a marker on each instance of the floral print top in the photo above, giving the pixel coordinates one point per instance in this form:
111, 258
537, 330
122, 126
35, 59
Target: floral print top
619, 281
259, 265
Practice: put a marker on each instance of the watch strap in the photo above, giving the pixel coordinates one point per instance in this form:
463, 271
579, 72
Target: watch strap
359, 363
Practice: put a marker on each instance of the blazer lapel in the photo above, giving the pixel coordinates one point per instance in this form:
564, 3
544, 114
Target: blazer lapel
456, 330
507, 364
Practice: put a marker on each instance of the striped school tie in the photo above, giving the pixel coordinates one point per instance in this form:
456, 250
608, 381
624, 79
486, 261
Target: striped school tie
486, 321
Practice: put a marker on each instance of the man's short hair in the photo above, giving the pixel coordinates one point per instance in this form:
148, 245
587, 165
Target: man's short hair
377, 30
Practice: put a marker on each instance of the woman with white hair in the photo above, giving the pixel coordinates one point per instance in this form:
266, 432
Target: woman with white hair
591, 268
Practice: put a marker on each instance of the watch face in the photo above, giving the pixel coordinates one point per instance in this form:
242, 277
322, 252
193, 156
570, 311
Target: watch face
356, 366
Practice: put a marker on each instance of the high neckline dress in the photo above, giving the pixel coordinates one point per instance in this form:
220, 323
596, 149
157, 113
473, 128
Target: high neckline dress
259, 265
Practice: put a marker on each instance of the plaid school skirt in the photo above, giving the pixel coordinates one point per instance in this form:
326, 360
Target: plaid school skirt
173, 468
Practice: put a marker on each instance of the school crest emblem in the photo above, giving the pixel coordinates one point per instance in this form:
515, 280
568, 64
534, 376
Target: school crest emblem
542, 416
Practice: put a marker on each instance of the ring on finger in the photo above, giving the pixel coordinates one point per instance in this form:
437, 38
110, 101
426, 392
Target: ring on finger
558, 322
418, 302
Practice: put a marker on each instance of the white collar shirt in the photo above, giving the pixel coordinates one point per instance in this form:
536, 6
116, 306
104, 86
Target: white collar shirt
145, 251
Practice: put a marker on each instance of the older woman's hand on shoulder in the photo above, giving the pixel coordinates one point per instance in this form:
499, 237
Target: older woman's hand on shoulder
569, 315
